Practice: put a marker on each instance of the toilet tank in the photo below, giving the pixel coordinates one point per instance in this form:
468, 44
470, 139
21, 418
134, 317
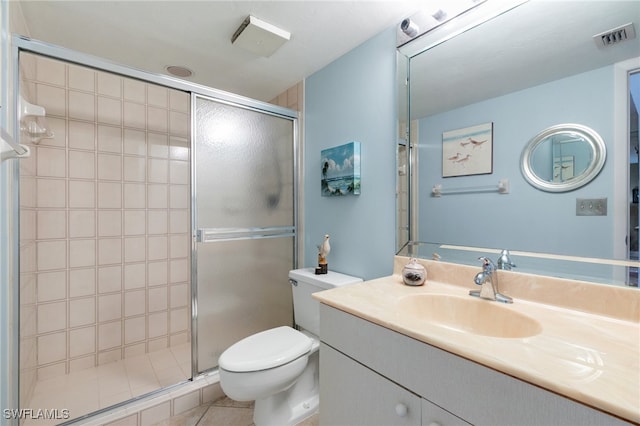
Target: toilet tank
304, 282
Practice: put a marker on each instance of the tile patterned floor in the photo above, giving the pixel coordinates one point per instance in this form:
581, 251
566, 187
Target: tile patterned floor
224, 412
91, 389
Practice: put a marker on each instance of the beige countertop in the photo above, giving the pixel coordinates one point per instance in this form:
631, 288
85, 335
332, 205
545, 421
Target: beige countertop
587, 352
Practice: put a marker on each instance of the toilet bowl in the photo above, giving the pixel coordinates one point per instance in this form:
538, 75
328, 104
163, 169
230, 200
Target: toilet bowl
278, 368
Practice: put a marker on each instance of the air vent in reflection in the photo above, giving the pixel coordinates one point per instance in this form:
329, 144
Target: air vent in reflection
615, 36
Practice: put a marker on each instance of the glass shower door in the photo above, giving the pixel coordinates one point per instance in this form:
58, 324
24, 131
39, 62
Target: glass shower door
244, 225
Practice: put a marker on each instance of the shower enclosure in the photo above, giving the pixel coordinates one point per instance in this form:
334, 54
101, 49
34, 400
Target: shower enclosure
157, 227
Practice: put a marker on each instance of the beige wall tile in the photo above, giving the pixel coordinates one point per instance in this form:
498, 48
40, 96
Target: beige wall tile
110, 139
82, 78
179, 124
109, 279
82, 194
157, 299
109, 110
179, 101
179, 320
134, 249
109, 223
158, 145
158, 171
82, 282
135, 222
179, 196
52, 317
158, 324
109, 84
135, 142
135, 90
157, 119
82, 253
156, 414
157, 247
134, 303
135, 275
51, 255
179, 245
157, 196
50, 71
82, 312
109, 307
179, 270
179, 172
51, 224
179, 148
82, 165
109, 251
82, 106
110, 335
157, 222
82, 341
134, 329
135, 169
53, 99
82, 135
52, 347
50, 193
179, 295
50, 286
109, 167
109, 195
135, 195
135, 115
157, 274
179, 221
157, 96
51, 162
82, 223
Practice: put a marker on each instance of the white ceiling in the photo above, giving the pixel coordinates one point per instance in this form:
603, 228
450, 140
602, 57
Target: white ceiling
149, 35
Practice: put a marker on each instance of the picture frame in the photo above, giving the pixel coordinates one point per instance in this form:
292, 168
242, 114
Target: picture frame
468, 151
340, 170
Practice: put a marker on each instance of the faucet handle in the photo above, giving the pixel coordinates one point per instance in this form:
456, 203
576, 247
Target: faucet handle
487, 264
505, 262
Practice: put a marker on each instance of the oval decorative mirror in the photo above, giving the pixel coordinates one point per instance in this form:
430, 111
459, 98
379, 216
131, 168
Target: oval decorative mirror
563, 158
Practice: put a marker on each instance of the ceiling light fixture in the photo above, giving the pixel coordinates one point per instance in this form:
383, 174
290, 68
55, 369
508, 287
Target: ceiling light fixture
179, 71
259, 37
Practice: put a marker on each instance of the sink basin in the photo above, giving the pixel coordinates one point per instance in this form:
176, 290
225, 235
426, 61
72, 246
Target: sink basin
470, 315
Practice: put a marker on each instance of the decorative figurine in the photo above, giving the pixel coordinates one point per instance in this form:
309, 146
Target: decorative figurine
323, 252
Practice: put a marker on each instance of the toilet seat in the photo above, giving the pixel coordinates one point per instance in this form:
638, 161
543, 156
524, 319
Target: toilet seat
265, 350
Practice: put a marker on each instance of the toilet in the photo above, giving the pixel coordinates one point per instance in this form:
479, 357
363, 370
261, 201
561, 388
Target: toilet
278, 368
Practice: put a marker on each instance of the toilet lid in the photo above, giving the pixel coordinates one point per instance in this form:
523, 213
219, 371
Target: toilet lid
264, 350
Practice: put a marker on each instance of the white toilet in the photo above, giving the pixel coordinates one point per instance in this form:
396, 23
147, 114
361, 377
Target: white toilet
278, 368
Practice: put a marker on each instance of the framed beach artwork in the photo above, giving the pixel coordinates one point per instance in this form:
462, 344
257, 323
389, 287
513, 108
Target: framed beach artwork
340, 168
468, 151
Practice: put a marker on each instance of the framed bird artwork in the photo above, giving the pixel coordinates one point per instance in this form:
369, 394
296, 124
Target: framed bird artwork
468, 151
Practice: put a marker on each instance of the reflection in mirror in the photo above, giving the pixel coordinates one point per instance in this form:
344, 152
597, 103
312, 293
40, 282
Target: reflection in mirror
563, 158
548, 70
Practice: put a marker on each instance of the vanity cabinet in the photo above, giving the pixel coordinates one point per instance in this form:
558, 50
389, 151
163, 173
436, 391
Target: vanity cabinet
369, 374
356, 395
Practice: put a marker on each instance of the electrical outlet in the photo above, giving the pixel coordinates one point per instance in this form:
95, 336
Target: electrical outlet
591, 206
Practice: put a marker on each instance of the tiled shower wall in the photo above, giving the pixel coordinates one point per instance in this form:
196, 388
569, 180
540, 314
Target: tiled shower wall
105, 220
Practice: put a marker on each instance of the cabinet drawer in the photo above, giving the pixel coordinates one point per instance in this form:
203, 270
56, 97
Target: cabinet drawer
351, 394
432, 415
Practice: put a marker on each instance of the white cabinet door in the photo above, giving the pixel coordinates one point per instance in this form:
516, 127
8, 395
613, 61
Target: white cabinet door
432, 415
352, 395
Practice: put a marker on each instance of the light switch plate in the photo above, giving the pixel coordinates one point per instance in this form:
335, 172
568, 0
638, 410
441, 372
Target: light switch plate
591, 206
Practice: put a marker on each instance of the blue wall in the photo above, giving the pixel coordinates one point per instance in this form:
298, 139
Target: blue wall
505, 221
353, 99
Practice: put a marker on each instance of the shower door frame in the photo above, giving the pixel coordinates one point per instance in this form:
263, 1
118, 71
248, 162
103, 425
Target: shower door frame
21, 43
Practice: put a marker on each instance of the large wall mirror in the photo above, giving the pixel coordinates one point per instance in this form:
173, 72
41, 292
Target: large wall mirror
531, 67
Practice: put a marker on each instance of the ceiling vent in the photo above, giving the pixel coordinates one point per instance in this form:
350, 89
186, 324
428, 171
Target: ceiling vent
615, 36
259, 37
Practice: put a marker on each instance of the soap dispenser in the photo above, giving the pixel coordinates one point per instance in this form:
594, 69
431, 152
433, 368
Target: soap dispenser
414, 273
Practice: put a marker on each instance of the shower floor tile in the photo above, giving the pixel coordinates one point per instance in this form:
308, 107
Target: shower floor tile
91, 389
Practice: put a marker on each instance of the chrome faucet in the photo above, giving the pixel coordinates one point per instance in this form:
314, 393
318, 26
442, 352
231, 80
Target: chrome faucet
488, 279
505, 262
